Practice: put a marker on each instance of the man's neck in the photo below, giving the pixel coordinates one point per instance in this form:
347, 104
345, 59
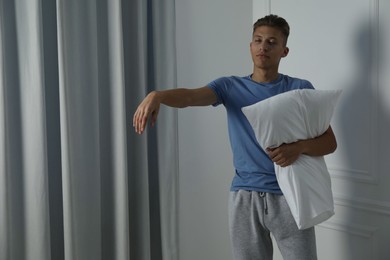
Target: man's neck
264, 76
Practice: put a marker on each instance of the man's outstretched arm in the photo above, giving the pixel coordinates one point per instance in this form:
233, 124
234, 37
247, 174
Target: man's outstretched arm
179, 98
286, 154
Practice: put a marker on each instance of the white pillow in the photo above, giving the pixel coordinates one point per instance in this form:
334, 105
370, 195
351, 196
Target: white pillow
289, 117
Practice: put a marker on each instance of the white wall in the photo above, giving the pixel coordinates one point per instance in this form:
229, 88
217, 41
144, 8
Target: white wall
328, 46
334, 44
212, 41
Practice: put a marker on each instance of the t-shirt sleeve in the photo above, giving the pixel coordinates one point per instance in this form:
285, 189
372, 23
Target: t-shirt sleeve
307, 84
221, 88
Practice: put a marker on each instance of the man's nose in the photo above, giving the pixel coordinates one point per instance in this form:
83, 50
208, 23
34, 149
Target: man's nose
264, 46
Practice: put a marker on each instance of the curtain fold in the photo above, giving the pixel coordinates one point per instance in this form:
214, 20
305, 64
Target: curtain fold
24, 131
76, 182
150, 55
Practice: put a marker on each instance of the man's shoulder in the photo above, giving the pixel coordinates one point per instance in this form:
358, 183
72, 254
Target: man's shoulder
295, 82
230, 80
292, 78
234, 78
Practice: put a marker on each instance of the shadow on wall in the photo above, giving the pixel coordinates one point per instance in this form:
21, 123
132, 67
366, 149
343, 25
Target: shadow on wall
360, 111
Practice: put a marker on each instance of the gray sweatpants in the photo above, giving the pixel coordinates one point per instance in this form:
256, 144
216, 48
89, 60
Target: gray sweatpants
254, 215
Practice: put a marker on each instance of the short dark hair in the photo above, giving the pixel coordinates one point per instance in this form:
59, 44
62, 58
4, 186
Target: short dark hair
273, 21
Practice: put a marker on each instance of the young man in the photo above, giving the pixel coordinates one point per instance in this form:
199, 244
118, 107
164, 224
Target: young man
257, 206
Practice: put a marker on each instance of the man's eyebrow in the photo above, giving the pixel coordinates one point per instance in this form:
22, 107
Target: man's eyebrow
260, 36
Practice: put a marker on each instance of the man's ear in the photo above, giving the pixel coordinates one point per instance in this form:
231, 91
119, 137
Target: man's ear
285, 52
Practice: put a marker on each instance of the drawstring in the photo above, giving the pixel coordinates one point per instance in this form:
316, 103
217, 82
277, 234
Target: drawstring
263, 195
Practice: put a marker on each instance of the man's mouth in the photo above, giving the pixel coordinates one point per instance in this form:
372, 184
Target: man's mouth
262, 56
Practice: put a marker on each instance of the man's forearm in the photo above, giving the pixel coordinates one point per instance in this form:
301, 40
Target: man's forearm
319, 146
286, 154
178, 98
182, 97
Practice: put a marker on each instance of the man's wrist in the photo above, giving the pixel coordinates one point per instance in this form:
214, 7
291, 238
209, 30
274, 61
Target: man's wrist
156, 95
302, 147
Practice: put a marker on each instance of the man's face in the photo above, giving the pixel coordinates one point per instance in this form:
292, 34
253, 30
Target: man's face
267, 47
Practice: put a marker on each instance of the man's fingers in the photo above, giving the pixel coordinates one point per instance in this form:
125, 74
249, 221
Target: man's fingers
140, 120
272, 153
153, 120
154, 117
277, 157
137, 121
144, 120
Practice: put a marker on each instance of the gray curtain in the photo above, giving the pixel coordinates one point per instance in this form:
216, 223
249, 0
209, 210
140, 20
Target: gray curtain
76, 182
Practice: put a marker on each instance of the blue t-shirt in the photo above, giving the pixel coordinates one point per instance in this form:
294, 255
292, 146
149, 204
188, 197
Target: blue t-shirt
254, 169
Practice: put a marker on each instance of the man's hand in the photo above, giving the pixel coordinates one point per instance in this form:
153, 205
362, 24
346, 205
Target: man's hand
148, 108
285, 154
